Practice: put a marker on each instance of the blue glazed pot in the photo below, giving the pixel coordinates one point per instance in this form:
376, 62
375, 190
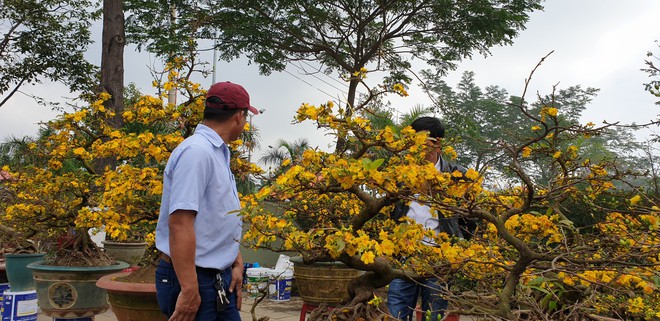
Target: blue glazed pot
18, 275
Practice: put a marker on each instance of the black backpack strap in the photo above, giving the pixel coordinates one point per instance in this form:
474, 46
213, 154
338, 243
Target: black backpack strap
400, 210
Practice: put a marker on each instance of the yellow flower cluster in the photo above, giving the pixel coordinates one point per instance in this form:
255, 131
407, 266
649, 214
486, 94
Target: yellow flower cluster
322, 207
533, 228
400, 89
97, 174
360, 74
548, 111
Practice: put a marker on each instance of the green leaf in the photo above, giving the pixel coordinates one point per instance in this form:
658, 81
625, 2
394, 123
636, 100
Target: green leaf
369, 165
378, 162
552, 305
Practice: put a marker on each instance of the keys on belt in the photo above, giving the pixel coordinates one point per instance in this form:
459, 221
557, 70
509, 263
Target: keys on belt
222, 301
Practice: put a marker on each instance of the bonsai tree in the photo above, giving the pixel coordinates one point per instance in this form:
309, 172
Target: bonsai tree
526, 260
14, 241
77, 190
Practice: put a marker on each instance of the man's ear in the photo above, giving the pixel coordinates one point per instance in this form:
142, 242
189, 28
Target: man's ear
238, 117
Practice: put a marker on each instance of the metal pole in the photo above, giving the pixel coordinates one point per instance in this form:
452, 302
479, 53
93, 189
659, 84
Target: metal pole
171, 94
215, 58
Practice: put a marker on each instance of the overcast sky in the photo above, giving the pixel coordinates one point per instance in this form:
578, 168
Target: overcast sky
596, 43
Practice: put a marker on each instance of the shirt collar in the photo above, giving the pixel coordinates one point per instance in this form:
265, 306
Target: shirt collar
209, 134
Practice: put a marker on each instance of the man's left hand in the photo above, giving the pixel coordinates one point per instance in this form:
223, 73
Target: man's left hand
236, 284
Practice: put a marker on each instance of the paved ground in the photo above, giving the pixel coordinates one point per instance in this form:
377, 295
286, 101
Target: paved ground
277, 311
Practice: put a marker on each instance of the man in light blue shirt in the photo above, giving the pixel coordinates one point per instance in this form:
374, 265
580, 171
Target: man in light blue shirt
200, 274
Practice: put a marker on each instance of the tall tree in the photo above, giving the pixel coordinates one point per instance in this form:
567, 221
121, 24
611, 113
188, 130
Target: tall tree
112, 57
352, 36
479, 119
45, 39
168, 28
653, 70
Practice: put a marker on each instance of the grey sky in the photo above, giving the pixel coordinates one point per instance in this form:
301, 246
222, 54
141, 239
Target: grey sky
597, 43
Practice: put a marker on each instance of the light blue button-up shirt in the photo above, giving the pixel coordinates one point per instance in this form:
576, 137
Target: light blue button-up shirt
198, 178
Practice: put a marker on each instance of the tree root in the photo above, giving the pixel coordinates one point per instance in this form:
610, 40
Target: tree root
79, 250
359, 311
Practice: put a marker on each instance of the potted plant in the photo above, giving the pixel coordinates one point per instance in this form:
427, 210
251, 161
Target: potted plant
90, 174
17, 251
132, 246
529, 259
323, 282
96, 174
18, 247
132, 294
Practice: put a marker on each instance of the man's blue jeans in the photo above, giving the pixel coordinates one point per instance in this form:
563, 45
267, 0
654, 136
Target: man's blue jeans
402, 299
168, 288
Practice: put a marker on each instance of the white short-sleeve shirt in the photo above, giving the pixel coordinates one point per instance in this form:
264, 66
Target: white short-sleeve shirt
198, 178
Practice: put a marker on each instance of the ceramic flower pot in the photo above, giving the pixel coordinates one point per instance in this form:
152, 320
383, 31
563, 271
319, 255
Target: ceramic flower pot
323, 282
130, 253
18, 275
71, 292
131, 301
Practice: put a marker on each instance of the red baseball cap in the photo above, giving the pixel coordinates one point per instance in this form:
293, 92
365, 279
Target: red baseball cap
226, 95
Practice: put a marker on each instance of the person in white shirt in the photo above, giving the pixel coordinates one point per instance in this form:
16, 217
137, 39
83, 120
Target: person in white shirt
403, 294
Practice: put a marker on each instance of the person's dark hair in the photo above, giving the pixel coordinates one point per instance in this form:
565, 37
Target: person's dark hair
220, 115
431, 124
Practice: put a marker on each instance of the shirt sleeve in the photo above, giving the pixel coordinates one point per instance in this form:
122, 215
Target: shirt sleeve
190, 175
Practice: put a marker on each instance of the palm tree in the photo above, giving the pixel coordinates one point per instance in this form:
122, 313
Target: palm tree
16, 151
247, 184
275, 156
383, 117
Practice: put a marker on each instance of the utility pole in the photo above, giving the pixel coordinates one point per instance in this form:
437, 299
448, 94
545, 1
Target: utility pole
215, 62
171, 94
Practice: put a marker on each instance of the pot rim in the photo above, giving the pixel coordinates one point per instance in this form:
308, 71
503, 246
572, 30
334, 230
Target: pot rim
124, 243
40, 266
109, 283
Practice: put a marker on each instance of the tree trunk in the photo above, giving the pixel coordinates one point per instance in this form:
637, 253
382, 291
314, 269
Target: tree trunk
112, 58
112, 68
350, 107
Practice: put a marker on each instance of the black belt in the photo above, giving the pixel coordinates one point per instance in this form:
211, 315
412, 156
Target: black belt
166, 258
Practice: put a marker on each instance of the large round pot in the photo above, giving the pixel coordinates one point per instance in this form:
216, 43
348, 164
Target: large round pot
71, 292
131, 301
18, 275
130, 253
323, 282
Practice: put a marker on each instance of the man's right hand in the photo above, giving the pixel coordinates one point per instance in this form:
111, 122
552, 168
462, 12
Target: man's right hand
182, 248
186, 307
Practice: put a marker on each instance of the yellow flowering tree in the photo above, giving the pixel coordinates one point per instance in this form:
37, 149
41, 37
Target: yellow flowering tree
526, 260
75, 189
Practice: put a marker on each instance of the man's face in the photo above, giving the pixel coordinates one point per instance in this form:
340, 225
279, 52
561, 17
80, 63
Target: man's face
241, 120
433, 149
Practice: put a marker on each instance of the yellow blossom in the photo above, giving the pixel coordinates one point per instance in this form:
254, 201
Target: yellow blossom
635, 199
368, 257
472, 174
